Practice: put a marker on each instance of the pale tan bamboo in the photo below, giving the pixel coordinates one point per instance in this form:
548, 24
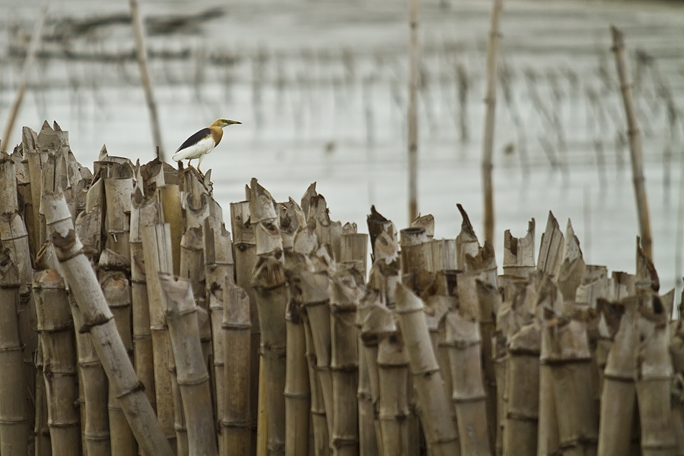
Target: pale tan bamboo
328, 232
14, 417
297, 392
272, 295
235, 426
618, 398
99, 320
415, 251
193, 378
646, 277
440, 433
500, 359
292, 220
118, 192
653, 380
368, 432
95, 391
520, 430
466, 241
572, 267
463, 336
321, 440
551, 248
41, 429
31, 51
676, 348
344, 361
412, 109
55, 327
354, 249
141, 54
443, 254
113, 270
157, 254
490, 114
518, 258
192, 267
634, 136
377, 224
140, 309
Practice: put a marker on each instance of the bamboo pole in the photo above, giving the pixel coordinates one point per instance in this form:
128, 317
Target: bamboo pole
518, 259
99, 320
297, 392
319, 424
440, 433
551, 248
393, 409
118, 190
634, 135
344, 362
31, 51
463, 337
141, 54
466, 241
235, 427
41, 429
272, 295
14, 417
412, 115
490, 113
182, 315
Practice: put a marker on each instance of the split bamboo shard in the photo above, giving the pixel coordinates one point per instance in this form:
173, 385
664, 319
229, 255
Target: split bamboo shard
98, 319
490, 100
627, 89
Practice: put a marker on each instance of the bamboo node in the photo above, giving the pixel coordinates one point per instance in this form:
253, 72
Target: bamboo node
192, 382
99, 320
138, 387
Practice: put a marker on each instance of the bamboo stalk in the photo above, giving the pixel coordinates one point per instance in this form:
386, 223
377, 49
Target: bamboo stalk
369, 436
634, 135
412, 114
463, 337
518, 259
328, 232
466, 241
354, 249
141, 54
41, 429
319, 424
440, 433
14, 417
272, 295
551, 248
99, 320
297, 392
235, 427
32, 50
182, 316
393, 410
490, 112
118, 192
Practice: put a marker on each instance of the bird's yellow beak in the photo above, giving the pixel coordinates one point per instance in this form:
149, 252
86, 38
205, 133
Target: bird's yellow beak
234, 122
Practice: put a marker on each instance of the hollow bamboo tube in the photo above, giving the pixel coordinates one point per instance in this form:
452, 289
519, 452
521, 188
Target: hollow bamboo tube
518, 258
653, 381
116, 288
193, 378
634, 135
192, 267
321, 440
235, 426
95, 391
328, 232
354, 249
157, 254
618, 398
244, 250
297, 391
490, 114
315, 297
415, 250
118, 202
272, 295
520, 430
368, 432
440, 433
466, 241
55, 326
98, 319
41, 429
14, 416
377, 224
551, 248
344, 362
500, 358
143, 353
463, 337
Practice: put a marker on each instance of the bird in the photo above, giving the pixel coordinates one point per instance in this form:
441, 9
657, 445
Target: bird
202, 142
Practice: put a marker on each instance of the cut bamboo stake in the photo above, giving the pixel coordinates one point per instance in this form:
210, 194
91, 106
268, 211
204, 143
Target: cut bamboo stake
518, 259
463, 337
272, 295
31, 51
440, 433
551, 248
412, 115
14, 423
319, 424
368, 435
41, 430
182, 316
235, 427
490, 101
141, 54
297, 391
99, 320
344, 299
55, 327
466, 241
393, 409
118, 189
634, 141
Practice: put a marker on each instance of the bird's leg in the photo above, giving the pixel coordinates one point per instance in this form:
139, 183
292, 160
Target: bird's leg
189, 161
199, 163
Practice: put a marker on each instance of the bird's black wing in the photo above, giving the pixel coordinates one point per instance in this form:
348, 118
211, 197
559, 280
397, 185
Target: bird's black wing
194, 139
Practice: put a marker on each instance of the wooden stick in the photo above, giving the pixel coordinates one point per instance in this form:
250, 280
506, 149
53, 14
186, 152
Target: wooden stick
297, 391
97, 317
393, 409
490, 102
193, 378
412, 115
634, 141
321, 440
34, 45
518, 257
141, 53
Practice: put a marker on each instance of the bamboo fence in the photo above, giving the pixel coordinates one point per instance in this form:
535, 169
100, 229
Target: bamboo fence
143, 307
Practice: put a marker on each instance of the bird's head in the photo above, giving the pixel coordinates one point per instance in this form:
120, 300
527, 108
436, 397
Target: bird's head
224, 123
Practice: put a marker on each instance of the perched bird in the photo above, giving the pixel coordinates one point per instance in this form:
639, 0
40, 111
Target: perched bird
202, 142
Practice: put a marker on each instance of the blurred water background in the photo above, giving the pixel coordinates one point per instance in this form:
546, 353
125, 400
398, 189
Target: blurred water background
321, 88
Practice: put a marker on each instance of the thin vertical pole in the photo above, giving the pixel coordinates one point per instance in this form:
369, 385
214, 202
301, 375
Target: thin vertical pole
414, 56
634, 135
141, 53
490, 102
